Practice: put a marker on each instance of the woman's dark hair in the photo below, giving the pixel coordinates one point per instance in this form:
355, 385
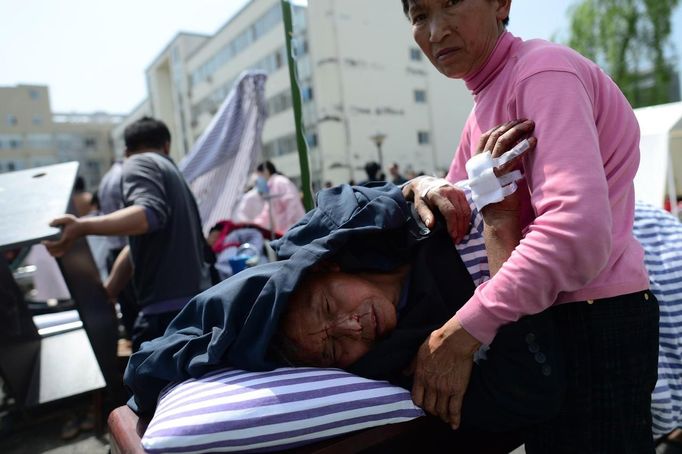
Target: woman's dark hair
267, 165
146, 134
79, 184
406, 8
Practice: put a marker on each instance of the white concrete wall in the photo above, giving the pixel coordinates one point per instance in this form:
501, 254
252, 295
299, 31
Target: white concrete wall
363, 73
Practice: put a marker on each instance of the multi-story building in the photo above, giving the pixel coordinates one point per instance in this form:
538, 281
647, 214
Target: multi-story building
31, 135
361, 76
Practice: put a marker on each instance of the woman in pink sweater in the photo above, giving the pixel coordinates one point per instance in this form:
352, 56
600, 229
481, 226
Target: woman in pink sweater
578, 257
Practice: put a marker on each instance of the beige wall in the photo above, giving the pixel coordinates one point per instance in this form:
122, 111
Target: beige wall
31, 135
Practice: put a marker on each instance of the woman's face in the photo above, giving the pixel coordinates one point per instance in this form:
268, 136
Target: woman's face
457, 35
334, 318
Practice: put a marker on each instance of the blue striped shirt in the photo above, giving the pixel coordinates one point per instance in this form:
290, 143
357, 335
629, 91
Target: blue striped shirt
472, 247
661, 237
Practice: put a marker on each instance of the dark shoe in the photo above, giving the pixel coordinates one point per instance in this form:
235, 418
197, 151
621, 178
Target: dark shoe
70, 429
87, 423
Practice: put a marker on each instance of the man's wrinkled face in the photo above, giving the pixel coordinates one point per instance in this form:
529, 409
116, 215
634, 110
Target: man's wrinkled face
334, 318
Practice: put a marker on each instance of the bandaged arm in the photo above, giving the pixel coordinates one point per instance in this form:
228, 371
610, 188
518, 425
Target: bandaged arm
569, 242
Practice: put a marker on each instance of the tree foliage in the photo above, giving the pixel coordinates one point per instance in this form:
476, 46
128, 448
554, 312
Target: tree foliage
630, 39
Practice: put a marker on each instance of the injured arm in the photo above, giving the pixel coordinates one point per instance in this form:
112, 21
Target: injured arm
502, 233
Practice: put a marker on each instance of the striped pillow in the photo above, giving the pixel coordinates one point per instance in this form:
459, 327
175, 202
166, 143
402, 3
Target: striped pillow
235, 410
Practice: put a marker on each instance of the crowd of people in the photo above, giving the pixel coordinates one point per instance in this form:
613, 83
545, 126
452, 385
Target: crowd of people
521, 307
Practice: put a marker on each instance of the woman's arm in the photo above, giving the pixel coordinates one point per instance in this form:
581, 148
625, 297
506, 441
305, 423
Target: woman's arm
501, 221
445, 359
502, 233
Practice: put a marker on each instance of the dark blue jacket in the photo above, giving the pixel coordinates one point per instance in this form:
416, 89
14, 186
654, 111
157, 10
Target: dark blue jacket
362, 228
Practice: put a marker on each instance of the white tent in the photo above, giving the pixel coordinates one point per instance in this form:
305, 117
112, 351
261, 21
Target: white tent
660, 167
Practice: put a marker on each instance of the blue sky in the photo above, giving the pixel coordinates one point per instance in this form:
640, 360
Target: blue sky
93, 54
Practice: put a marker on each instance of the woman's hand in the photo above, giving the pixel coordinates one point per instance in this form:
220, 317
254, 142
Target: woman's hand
498, 141
431, 194
442, 371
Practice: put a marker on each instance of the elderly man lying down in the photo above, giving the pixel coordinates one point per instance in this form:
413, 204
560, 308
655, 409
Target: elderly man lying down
360, 285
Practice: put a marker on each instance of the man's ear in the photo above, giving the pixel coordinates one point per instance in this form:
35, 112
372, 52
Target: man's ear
166, 148
325, 266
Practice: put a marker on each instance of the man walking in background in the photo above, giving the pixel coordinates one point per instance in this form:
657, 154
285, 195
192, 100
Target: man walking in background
166, 256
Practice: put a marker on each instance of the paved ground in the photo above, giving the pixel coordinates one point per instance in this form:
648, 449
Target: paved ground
39, 432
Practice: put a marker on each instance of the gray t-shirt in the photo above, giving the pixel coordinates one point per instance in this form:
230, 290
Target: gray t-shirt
170, 262
110, 200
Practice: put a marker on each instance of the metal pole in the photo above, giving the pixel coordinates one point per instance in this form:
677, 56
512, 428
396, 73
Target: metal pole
381, 156
304, 162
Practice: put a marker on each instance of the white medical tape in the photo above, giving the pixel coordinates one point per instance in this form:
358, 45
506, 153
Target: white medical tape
434, 184
510, 177
517, 151
485, 187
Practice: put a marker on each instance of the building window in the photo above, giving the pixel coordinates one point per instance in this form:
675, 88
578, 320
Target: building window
37, 120
39, 141
415, 54
281, 146
11, 166
307, 94
423, 137
14, 144
90, 142
34, 94
279, 103
311, 139
12, 120
420, 96
271, 19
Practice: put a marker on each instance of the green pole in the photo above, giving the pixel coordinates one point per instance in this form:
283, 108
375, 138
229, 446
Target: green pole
308, 201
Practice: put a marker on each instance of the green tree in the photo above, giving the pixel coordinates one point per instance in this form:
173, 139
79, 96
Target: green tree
630, 39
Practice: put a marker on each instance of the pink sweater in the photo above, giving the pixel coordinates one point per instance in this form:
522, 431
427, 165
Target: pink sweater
287, 208
578, 241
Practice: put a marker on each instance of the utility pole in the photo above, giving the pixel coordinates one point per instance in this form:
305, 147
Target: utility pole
308, 201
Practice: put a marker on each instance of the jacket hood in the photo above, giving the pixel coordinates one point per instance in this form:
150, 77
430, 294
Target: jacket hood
233, 322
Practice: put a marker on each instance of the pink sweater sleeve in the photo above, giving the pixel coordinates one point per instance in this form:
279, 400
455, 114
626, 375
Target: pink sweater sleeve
569, 242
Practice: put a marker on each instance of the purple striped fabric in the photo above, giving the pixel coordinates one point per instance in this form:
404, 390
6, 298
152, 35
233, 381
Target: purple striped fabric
219, 394
218, 166
238, 411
